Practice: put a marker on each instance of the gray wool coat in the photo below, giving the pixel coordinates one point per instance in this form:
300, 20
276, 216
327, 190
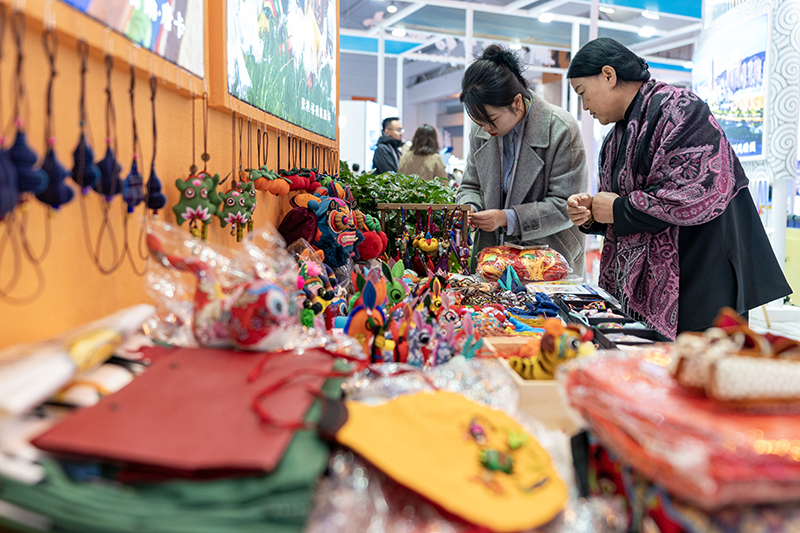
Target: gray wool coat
552, 166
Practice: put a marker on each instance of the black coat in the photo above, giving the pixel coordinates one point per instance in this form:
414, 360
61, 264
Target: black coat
387, 155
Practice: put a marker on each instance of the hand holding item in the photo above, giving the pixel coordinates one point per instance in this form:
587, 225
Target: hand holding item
579, 209
488, 220
603, 207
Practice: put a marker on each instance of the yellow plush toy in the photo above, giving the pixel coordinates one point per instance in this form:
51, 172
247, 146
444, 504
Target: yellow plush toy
539, 358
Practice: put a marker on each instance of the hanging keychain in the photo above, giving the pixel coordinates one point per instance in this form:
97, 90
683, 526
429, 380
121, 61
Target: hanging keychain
9, 190
154, 198
133, 188
198, 192
133, 192
57, 192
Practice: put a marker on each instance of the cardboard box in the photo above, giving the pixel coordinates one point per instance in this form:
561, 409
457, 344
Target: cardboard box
539, 398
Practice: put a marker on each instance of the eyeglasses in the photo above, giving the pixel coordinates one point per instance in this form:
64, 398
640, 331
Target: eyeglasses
401, 130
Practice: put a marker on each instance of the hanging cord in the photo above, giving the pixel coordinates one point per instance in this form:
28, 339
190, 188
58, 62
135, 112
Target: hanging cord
153, 90
249, 143
233, 149
17, 270
20, 94
193, 167
279, 148
239, 173
137, 150
205, 156
50, 42
3, 19
106, 225
265, 142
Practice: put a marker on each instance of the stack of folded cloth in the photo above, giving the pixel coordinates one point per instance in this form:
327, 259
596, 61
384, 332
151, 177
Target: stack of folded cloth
697, 448
190, 445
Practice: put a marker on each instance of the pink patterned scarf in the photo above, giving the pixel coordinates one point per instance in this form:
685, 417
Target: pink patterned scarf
676, 165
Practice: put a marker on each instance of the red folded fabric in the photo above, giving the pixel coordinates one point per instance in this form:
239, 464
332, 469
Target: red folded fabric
694, 448
192, 412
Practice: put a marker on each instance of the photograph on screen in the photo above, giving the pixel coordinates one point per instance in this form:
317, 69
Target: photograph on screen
172, 29
282, 59
728, 74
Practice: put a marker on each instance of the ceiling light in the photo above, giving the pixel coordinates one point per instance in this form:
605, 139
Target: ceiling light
399, 32
607, 10
392, 8
546, 17
647, 31
650, 15
688, 65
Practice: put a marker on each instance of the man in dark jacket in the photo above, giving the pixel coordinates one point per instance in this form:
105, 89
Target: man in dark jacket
387, 153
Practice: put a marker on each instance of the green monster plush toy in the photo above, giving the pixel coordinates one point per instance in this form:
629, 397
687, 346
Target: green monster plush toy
196, 205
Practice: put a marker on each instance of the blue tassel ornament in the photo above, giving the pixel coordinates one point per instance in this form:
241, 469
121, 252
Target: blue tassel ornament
154, 198
109, 184
133, 192
84, 171
30, 179
9, 188
57, 192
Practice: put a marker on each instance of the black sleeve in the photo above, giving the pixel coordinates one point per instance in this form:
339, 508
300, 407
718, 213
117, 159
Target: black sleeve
384, 160
628, 219
597, 228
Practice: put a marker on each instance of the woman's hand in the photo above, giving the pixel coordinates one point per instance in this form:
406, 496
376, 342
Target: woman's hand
579, 208
603, 207
488, 220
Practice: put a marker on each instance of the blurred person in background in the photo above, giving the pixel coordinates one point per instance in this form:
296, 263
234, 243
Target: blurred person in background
423, 158
387, 153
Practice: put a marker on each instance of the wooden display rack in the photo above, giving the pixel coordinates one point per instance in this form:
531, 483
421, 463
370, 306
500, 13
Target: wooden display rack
382, 208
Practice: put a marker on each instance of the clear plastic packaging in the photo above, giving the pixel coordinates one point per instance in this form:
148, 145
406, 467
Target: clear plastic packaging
539, 263
221, 297
698, 450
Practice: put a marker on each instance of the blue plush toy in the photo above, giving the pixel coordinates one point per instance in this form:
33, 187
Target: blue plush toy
337, 234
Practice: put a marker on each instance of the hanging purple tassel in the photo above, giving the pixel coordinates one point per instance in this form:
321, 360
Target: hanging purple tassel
57, 192
30, 179
109, 184
9, 189
84, 171
154, 198
132, 191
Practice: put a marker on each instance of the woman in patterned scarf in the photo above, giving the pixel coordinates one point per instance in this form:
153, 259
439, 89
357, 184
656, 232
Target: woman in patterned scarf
682, 235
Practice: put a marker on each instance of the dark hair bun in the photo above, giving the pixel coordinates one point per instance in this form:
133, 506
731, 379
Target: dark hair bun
504, 57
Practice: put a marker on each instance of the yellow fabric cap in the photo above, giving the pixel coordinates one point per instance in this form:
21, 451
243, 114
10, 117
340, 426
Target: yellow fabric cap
424, 442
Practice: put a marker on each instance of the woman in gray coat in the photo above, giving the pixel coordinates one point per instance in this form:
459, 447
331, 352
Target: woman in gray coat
526, 158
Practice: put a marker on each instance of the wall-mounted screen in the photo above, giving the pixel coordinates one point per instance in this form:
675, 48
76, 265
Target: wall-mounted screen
282, 59
729, 74
172, 29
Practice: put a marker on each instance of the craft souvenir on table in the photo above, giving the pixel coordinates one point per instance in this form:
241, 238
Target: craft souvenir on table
539, 358
198, 396
698, 449
395, 288
241, 298
266, 179
337, 234
367, 320
472, 461
739, 368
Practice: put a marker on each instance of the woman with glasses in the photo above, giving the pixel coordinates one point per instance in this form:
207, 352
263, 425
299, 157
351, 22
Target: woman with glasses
682, 235
526, 157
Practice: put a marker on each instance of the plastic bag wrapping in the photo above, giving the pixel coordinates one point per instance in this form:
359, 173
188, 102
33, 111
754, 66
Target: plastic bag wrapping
200, 286
356, 496
530, 264
683, 441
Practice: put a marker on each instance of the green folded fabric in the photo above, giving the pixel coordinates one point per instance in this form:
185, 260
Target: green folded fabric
278, 502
